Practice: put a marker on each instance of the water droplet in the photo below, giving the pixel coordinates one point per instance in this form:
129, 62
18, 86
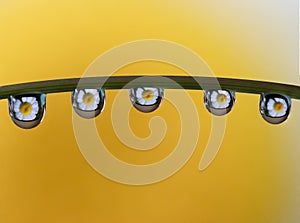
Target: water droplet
88, 103
274, 108
146, 99
219, 102
27, 110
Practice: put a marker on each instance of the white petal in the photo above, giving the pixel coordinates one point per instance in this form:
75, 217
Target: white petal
93, 107
35, 104
228, 98
270, 107
35, 110
150, 102
227, 94
213, 96
283, 102
29, 117
96, 99
24, 99
279, 114
81, 105
31, 100
17, 106
139, 93
141, 101
80, 94
272, 113
282, 113
270, 104
224, 93
216, 105
19, 116
91, 91
226, 104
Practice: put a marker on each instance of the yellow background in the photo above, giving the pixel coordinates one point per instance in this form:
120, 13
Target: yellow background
256, 175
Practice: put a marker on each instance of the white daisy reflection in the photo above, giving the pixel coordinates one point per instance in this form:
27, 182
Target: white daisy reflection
147, 95
277, 107
220, 99
26, 109
88, 99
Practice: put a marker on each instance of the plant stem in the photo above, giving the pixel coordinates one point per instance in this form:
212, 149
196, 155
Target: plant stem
166, 82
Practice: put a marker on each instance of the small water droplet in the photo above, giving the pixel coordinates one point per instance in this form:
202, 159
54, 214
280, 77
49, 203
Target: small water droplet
88, 103
146, 99
27, 110
219, 102
274, 108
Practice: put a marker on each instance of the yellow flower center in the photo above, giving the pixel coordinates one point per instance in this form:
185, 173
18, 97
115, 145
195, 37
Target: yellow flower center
88, 99
25, 108
221, 98
278, 107
148, 95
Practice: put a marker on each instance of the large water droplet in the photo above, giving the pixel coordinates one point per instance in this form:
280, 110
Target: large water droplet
88, 103
219, 102
274, 108
27, 110
146, 99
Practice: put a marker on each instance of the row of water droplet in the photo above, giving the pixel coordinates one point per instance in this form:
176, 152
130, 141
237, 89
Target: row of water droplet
28, 110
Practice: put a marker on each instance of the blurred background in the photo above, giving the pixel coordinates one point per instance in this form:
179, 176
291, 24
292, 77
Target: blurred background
255, 176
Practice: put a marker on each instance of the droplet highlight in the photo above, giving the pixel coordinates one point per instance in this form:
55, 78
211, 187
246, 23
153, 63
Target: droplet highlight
146, 99
274, 108
27, 110
219, 102
88, 103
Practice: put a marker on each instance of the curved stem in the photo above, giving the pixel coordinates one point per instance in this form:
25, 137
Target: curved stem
166, 82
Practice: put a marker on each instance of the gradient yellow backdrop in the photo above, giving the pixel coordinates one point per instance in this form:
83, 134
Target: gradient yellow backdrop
256, 175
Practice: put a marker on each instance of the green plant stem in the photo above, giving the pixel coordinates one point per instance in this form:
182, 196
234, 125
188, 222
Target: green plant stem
166, 82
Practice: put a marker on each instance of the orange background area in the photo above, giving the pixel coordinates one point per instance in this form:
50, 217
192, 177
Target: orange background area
255, 176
